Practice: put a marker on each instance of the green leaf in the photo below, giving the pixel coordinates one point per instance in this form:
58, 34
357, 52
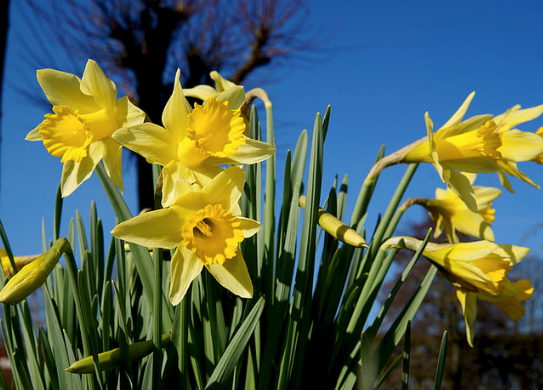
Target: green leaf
440, 370
235, 349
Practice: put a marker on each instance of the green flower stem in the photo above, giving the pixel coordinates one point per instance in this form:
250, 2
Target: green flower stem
157, 317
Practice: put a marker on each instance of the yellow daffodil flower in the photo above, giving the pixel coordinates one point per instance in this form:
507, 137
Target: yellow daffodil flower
194, 143
478, 270
451, 214
480, 144
206, 228
85, 115
459, 146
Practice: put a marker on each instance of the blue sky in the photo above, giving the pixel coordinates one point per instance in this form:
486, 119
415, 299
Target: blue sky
391, 62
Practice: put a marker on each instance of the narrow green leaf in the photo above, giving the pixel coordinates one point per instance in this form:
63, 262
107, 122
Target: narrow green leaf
406, 357
236, 347
442, 358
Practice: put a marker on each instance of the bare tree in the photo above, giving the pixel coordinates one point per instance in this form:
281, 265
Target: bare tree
4, 25
143, 42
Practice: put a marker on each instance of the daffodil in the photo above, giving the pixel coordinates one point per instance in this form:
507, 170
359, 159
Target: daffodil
477, 270
459, 146
85, 115
194, 143
451, 214
480, 144
205, 227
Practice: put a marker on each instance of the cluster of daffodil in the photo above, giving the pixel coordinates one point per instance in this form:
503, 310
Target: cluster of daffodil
311, 309
460, 150
200, 217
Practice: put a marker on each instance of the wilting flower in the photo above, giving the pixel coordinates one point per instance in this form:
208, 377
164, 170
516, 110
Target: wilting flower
451, 214
85, 115
34, 274
478, 270
480, 144
194, 143
206, 228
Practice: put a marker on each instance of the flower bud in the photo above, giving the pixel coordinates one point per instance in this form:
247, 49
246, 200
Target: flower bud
112, 359
34, 274
336, 228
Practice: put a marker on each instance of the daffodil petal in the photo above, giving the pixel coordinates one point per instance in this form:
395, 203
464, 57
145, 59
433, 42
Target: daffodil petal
113, 161
227, 186
515, 116
486, 195
474, 165
251, 152
468, 301
515, 253
473, 225
128, 114
233, 275
155, 229
470, 124
63, 89
520, 145
201, 92
510, 167
184, 268
74, 174
94, 82
467, 251
249, 226
459, 114
174, 189
461, 186
176, 111
34, 134
221, 84
151, 141
235, 96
